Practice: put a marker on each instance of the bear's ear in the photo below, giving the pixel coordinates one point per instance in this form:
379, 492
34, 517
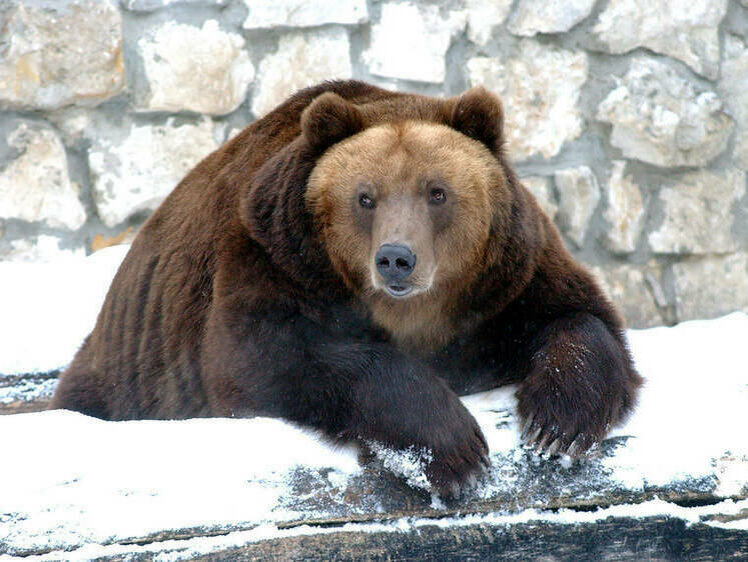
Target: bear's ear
330, 119
478, 114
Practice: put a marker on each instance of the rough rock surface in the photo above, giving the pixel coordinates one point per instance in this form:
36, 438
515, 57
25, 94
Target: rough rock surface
302, 13
624, 211
410, 41
710, 286
35, 185
661, 118
633, 289
578, 196
59, 52
483, 16
685, 30
540, 89
188, 68
302, 59
540, 16
699, 213
137, 172
151, 5
540, 187
733, 87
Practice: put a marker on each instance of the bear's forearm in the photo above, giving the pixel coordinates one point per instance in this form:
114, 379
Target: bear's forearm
348, 389
296, 370
581, 383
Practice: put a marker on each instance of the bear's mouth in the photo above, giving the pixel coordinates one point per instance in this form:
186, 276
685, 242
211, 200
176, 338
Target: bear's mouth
399, 291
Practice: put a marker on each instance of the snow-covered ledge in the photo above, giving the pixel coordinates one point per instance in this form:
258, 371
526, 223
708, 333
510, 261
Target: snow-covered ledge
672, 482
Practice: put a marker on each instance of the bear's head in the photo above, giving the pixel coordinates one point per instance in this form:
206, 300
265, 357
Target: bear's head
405, 209
408, 201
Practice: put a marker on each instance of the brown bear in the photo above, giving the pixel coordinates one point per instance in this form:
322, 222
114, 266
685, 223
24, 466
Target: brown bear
353, 262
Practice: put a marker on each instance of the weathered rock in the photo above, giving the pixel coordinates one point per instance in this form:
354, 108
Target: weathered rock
733, 87
302, 59
138, 172
59, 52
35, 185
152, 5
541, 16
411, 40
71, 122
483, 16
40, 248
578, 196
539, 88
630, 287
699, 213
188, 68
687, 30
540, 187
711, 286
624, 211
660, 118
302, 13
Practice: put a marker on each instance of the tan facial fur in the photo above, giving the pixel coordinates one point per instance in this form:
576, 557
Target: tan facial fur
398, 166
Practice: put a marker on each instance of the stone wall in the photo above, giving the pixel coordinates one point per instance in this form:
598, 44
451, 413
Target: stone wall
628, 120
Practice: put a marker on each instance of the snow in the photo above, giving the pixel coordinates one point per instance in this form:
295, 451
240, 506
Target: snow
75, 484
49, 308
134, 478
409, 464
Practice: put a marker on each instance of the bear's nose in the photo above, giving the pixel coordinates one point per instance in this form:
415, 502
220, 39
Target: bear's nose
395, 261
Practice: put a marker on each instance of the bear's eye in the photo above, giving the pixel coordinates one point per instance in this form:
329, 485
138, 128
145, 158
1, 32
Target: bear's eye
366, 201
437, 196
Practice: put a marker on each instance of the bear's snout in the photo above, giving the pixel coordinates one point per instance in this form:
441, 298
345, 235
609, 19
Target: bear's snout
395, 263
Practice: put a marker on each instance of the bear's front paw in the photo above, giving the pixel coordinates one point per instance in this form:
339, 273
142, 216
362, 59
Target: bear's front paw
434, 445
570, 417
457, 465
555, 423
582, 384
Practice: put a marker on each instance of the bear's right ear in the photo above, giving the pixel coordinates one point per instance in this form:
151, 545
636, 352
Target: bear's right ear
478, 114
330, 119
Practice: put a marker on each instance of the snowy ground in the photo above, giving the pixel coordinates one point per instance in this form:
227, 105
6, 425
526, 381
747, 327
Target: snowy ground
88, 487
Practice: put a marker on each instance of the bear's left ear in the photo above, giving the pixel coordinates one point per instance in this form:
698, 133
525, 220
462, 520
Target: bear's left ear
478, 115
330, 119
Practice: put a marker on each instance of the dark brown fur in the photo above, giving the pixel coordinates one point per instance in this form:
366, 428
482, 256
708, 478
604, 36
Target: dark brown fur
228, 305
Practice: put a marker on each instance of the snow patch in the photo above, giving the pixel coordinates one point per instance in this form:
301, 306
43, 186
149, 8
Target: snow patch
409, 463
49, 308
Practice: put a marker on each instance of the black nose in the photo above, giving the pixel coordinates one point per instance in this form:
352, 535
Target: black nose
395, 261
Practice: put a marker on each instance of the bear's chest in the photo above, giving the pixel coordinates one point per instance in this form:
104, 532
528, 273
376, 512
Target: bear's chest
420, 327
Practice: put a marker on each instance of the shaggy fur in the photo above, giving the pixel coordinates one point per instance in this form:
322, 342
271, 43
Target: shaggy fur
239, 297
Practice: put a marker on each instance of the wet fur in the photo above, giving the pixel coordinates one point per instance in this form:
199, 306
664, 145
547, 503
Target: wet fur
228, 304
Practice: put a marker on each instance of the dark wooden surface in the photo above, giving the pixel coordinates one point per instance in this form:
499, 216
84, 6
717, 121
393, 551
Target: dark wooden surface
650, 538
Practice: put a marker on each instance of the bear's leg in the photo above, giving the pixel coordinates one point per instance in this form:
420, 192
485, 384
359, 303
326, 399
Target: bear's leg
580, 384
350, 390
